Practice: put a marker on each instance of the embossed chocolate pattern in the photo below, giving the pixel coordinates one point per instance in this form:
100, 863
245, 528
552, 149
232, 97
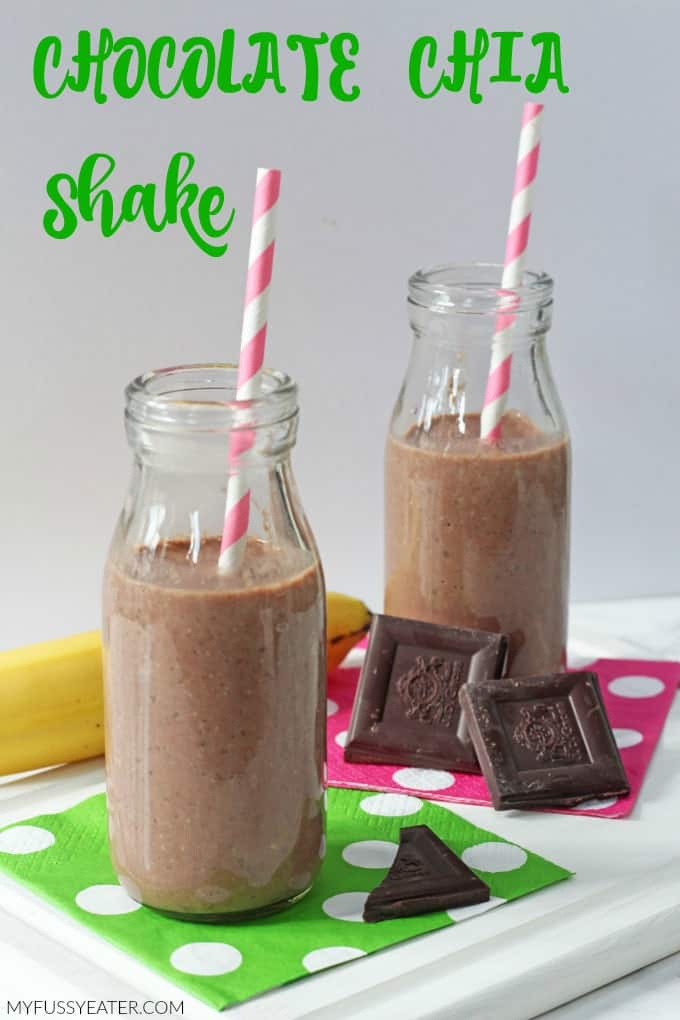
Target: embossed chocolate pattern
429, 691
547, 731
408, 865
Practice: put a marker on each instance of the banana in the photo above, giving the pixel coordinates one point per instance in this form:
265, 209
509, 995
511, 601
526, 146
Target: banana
51, 705
51, 699
348, 621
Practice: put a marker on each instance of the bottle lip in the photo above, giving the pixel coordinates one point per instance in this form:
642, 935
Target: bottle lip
474, 288
202, 398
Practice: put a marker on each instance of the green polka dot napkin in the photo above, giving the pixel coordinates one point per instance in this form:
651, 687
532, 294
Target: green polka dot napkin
64, 858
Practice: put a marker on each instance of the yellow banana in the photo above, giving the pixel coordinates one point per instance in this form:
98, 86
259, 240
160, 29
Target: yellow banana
51, 708
348, 621
51, 702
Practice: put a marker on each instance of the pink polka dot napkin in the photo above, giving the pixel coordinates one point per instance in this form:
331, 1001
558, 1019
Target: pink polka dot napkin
637, 694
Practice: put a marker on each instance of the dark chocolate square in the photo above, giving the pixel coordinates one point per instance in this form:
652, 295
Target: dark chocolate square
406, 710
544, 740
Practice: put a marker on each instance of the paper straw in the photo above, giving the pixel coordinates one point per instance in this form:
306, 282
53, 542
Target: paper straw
498, 382
253, 337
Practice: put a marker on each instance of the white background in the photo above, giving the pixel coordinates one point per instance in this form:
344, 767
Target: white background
371, 190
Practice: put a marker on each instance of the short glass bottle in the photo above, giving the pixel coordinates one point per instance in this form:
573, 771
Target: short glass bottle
214, 683
476, 532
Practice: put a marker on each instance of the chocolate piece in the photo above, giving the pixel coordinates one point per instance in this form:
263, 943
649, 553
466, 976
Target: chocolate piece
544, 740
406, 710
425, 876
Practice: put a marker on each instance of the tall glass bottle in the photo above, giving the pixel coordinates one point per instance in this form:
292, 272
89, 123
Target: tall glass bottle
477, 533
214, 683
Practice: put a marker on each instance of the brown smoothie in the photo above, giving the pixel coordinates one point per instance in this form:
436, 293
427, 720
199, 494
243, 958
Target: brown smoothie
215, 726
477, 534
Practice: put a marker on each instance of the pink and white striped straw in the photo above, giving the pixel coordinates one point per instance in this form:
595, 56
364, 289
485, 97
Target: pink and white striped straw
498, 382
253, 337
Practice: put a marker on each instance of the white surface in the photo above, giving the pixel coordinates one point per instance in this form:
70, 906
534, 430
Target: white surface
568, 926
371, 190
577, 947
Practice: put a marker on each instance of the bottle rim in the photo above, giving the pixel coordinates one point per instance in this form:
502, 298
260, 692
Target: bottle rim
202, 397
474, 288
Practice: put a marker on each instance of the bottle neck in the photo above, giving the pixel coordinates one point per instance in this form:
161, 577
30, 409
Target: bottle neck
188, 420
261, 450
476, 336
466, 306
462, 321
189, 433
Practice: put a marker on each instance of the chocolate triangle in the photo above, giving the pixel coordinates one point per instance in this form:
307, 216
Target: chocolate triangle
425, 876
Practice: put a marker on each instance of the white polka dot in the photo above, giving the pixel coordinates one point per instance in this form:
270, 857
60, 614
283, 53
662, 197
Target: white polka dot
392, 805
627, 738
637, 686
423, 779
319, 959
25, 839
595, 805
106, 899
370, 853
494, 857
462, 913
346, 906
331, 706
341, 738
206, 958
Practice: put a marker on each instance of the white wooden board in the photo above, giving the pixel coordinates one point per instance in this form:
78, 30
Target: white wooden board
620, 912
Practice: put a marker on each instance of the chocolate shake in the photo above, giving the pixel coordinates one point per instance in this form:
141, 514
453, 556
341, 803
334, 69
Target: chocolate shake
215, 713
477, 534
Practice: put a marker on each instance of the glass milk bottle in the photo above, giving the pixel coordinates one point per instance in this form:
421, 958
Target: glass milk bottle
477, 532
214, 682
